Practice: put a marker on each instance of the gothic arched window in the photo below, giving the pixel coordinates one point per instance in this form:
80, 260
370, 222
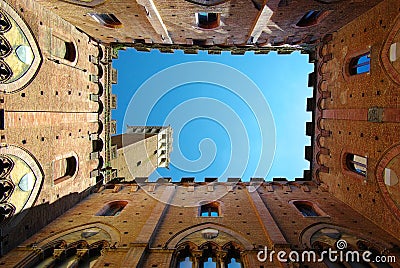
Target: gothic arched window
112, 209
360, 64
357, 164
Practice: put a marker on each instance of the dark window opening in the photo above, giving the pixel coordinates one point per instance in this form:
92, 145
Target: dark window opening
70, 52
107, 19
63, 49
64, 169
360, 64
207, 20
199, 42
5, 24
209, 210
112, 209
306, 208
5, 72
357, 164
2, 123
233, 258
97, 145
310, 18
5, 47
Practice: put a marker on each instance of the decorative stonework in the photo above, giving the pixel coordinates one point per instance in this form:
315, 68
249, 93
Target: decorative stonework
19, 53
375, 114
390, 160
20, 182
392, 68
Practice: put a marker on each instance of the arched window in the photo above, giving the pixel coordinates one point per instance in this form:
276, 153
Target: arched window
234, 264
112, 209
311, 18
185, 263
106, 19
357, 164
307, 208
208, 258
209, 263
5, 72
63, 49
207, 20
360, 64
209, 210
233, 259
208, 255
64, 168
77, 254
184, 258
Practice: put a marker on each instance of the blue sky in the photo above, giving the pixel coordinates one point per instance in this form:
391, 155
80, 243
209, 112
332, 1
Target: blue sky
221, 108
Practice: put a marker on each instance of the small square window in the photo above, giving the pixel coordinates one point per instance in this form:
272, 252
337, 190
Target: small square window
207, 20
209, 210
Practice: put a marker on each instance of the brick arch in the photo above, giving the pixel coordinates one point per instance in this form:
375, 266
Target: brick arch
213, 245
234, 244
319, 144
384, 53
190, 244
111, 230
389, 154
173, 242
320, 104
322, 86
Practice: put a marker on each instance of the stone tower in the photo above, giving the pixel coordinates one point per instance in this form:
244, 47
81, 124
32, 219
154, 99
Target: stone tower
140, 151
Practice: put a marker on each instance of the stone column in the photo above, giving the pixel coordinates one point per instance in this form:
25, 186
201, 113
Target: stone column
196, 255
221, 256
80, 253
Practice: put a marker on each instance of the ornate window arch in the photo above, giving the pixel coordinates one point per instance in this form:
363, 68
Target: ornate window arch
209, 254
20, 57
20, 181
